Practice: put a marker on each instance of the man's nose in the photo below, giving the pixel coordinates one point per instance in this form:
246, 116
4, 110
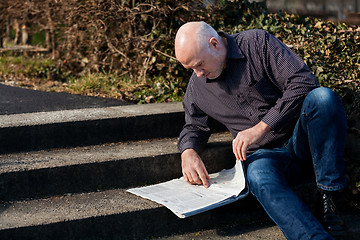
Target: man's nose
199, 72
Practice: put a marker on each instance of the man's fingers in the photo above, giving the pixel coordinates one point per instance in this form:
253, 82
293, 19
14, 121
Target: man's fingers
186, 177
247, 137
197, 178
240, 145
204, 181
238, 149
243, 152
235, 149
204, 176
193, 168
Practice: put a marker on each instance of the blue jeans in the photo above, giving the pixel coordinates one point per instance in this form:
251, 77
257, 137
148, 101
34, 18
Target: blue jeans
317, 144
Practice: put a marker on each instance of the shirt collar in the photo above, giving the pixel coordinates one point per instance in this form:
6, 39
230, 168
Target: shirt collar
233, 50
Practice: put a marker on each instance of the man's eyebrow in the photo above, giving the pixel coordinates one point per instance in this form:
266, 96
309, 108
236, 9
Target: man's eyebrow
197, 64
194, 66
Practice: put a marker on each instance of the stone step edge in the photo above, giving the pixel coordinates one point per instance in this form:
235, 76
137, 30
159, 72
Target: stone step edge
81, 127
116, 214
86, 169
87, 114
108, 212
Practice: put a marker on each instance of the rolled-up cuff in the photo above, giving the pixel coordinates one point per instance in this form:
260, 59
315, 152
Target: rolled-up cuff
274, 119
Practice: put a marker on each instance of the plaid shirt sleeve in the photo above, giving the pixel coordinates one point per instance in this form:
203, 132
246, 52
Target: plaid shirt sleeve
196, 130
290, 74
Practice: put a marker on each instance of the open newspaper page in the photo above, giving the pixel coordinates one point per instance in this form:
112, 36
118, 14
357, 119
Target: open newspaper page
186, 200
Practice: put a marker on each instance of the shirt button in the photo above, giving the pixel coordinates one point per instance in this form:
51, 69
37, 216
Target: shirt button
250, 114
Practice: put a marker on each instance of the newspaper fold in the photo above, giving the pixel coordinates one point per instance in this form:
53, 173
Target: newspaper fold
185, 200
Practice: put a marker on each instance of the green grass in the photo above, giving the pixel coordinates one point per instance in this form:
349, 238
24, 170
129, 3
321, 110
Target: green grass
100, 84
41, 70
26, 67
115, 86
38, 39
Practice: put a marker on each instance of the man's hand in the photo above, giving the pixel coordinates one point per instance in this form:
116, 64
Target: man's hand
193, 168
247, 137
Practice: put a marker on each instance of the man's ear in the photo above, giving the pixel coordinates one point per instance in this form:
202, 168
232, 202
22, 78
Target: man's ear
214, 43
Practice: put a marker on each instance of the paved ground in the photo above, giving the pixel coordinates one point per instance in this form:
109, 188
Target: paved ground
20, 100
266, 230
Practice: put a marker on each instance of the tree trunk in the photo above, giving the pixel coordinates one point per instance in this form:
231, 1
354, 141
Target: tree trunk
16, 27
50, 33
2, 31
24, 34
8, 30
53, 45
48, 40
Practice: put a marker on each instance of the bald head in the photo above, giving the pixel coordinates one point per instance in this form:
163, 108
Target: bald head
194, 36
199, 47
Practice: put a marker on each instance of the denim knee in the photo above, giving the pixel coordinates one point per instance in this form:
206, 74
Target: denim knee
324, 99
258, 178
253, 180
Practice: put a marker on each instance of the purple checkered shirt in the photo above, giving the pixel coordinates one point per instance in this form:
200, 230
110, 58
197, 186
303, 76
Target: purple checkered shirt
263, 80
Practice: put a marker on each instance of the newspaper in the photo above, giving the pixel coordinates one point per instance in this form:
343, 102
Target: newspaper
186, 200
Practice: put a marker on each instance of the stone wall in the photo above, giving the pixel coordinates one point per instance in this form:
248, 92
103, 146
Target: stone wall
338, 10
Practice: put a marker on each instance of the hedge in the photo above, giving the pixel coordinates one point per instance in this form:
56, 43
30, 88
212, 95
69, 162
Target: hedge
135, 40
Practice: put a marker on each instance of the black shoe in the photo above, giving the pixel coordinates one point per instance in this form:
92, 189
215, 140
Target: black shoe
329, 217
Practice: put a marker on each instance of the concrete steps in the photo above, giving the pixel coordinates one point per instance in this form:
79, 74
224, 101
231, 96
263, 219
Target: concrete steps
64, 175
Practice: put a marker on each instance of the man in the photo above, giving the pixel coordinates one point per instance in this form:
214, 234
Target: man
283, 123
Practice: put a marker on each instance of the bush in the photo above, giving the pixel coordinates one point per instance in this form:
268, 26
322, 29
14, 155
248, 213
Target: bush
136, 41
331, 50
109, 43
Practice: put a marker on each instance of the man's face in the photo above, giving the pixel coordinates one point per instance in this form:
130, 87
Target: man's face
207, 63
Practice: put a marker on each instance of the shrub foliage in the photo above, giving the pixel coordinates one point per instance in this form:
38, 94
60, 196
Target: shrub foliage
133, 40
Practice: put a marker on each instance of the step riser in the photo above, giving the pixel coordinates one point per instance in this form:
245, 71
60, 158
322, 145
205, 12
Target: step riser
105, 175
139, 225
92, 132
157, 221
